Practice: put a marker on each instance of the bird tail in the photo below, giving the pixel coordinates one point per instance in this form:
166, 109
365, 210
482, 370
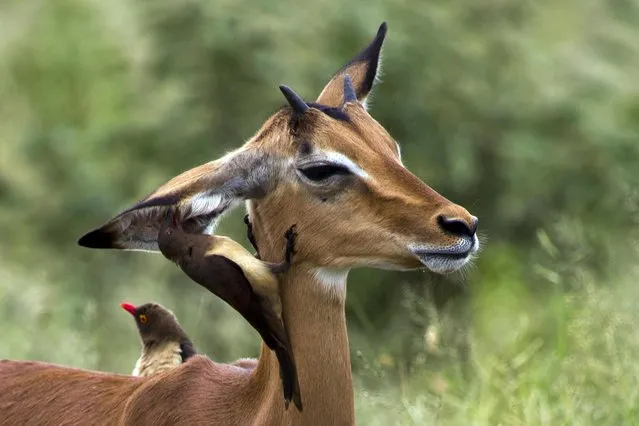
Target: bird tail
288, 374
276, 338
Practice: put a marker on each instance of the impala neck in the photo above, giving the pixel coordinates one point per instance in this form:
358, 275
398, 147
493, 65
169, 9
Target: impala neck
313, 304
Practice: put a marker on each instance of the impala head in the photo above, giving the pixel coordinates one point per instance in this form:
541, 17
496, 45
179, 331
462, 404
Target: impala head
326, 166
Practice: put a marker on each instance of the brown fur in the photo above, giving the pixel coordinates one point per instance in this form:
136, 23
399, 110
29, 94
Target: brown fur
45, 394
356, 222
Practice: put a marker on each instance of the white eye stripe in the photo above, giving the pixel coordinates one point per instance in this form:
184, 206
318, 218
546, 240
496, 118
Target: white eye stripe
344, 161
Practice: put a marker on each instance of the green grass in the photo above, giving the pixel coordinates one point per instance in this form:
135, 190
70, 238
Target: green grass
583, 371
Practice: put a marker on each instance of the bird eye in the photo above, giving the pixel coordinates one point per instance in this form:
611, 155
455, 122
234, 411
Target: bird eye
322, 172
143, 319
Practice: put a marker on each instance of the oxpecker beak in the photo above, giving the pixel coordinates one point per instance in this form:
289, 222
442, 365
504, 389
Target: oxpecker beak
129, 308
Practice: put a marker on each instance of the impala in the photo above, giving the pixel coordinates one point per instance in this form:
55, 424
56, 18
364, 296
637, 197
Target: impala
326, 166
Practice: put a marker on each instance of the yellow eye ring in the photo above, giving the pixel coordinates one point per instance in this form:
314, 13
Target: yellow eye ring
143, 319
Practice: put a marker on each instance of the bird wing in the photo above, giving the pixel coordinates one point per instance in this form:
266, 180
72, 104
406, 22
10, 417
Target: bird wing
226, 279
187, 349
257, 272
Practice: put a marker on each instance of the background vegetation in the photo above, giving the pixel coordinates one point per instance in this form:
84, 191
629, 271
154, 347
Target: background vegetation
525, 112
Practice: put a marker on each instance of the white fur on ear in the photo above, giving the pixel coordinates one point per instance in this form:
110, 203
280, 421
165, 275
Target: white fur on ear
203, 203
367, 102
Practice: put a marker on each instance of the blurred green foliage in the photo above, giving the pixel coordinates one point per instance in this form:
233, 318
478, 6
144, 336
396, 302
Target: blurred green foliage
525, 112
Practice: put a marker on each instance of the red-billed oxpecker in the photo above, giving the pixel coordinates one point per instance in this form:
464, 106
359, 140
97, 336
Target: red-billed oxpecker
165, 345
248, 284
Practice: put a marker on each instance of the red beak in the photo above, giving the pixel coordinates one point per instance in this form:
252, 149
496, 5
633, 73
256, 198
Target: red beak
129, 308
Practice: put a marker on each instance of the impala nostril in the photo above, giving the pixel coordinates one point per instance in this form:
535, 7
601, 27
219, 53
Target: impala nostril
456, 226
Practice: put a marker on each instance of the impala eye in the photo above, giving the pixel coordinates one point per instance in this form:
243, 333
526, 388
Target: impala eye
322, 172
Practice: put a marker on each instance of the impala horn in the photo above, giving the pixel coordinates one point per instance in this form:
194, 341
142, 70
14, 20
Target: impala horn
294, 100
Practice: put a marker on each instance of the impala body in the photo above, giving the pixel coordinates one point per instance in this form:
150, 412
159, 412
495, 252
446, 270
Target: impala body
326, 166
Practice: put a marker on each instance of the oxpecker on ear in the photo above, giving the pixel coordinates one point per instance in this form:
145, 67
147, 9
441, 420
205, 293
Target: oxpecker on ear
249, 285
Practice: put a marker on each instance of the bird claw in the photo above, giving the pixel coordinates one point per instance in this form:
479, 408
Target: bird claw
291, 238
280, 268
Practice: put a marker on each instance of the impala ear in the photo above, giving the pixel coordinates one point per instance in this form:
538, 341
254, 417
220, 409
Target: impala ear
363, 70
198, 198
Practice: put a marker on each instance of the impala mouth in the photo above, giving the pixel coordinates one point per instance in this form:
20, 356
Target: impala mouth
445, 260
